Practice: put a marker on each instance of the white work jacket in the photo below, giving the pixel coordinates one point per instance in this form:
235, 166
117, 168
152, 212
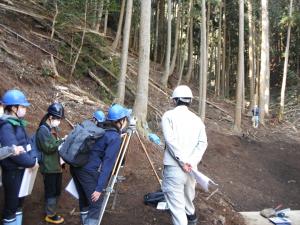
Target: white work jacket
185, 137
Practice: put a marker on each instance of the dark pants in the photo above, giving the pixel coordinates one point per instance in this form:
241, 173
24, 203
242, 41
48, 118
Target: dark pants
12, 180
52, 189
86, 183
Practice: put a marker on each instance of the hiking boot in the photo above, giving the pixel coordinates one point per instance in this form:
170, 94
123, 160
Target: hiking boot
56, 219
192, 219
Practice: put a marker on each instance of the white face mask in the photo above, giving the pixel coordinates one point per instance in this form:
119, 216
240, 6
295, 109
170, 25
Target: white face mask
55, 123
21, 112
1, 110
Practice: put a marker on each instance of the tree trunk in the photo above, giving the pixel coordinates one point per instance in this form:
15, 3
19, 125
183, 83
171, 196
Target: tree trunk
126, 35
141, 99
227, 81
174, 57
251, 55
264, 91
156, 34
218, 72
203, 58
118, 35
105, 21
95, 9
223, 75
191, 46
238, 107
286, 59
161, 36
183, 52
99, 14
164, 79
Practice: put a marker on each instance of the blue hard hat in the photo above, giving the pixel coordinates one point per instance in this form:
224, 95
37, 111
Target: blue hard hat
15, 97
117, 112
99, 116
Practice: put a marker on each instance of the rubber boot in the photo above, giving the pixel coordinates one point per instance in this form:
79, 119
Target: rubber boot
192, 219
10, 221
91, 221
83, 217
19, 217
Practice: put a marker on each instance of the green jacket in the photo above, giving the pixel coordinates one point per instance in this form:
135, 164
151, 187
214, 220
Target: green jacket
48, 145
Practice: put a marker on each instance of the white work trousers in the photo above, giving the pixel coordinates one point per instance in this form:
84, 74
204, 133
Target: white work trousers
179, 191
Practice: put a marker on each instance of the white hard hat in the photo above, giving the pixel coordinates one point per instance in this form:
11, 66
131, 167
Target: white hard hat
182, 92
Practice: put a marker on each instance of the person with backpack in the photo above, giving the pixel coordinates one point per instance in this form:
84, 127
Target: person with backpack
12, 132
99, 118
47, 142
186, 141
92, 178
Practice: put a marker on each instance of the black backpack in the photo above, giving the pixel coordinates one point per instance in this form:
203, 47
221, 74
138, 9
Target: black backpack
75, 149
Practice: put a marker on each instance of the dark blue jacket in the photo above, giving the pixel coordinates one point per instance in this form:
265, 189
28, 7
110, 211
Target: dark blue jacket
12, 132
104, 153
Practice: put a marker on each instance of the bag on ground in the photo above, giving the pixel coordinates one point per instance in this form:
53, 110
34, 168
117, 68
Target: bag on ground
154, 198
75, 149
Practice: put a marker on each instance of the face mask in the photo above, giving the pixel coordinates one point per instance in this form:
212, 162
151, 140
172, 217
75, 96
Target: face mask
55, 123
1, 111
21, 112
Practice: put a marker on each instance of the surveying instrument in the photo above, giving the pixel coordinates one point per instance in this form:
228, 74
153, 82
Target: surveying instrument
119, 162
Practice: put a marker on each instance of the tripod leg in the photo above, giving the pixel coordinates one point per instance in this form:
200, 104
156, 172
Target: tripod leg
113, 177
148, 157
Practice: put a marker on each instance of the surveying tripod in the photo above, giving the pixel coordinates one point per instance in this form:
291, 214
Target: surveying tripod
119, 162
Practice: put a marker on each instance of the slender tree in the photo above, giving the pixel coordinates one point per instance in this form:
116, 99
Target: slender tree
164, 79
251, 54
120, 23
218, 72
105, 18
191, 46
203, 59
264, 83
141, 99
156, 32
238, 107
286, 59
99, 14
175, 52
126, 35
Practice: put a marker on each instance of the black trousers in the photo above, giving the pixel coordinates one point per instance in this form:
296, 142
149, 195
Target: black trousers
86, 183
52, 189
12, 180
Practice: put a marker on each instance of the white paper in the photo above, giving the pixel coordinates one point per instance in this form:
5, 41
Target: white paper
201, 179
279, 220
62, 162
162, 206
71, 188
28, 181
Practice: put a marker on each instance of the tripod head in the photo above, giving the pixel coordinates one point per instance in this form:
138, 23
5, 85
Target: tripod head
132, 124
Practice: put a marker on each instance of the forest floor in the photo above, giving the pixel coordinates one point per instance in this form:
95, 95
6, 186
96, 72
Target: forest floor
258, 169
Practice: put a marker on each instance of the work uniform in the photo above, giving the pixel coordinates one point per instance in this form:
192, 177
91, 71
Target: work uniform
95, 174
50, 166
186, 142
12, 132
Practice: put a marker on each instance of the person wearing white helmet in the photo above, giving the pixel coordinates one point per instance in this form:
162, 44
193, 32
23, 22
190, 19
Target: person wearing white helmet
186, 141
